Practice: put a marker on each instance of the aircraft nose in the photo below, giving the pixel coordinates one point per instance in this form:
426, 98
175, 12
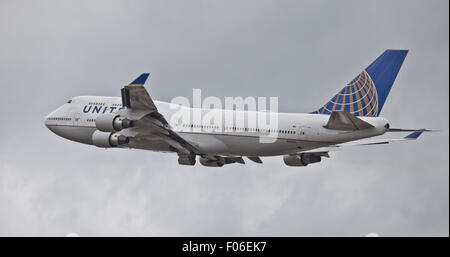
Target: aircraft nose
47, 121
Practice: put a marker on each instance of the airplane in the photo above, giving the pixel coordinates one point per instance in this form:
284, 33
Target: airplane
135, 120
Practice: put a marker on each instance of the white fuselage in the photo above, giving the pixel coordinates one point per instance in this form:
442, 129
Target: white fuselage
293, 133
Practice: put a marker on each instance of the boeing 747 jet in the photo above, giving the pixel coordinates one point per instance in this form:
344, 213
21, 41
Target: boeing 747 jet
135, 120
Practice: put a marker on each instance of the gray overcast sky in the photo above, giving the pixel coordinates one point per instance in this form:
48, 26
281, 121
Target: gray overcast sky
301, 51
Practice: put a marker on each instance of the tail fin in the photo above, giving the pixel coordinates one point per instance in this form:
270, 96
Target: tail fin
365, 95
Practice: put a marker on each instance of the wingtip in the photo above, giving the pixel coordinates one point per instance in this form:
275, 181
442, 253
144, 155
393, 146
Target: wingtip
141, 79
414, 135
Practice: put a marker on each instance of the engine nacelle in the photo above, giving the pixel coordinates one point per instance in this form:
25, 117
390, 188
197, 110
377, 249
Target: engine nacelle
308, 158
212, 163
293, 160
302, 159
112, 122
108, 139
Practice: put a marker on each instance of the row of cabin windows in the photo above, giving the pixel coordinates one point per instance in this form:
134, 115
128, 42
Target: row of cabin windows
240, 129
200, 126
90, 120
94, 103
59, 118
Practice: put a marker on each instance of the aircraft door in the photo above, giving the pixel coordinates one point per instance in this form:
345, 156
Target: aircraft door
76, 118
304, 131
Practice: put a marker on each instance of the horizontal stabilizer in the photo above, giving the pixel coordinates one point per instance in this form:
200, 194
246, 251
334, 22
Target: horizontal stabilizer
411, 130
364, 142
342, 120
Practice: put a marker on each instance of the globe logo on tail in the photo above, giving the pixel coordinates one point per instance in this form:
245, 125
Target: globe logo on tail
359, 97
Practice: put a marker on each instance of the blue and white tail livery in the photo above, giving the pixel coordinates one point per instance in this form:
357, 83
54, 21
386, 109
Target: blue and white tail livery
137, 121
365, 95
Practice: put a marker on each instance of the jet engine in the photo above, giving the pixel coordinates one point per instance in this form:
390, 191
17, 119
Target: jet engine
108, 139
112, 122
302, 159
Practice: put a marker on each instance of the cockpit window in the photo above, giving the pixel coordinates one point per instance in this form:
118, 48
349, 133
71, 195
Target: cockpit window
69, 101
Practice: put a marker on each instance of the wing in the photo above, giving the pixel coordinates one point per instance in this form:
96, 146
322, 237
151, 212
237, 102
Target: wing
150, 125
152, 129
